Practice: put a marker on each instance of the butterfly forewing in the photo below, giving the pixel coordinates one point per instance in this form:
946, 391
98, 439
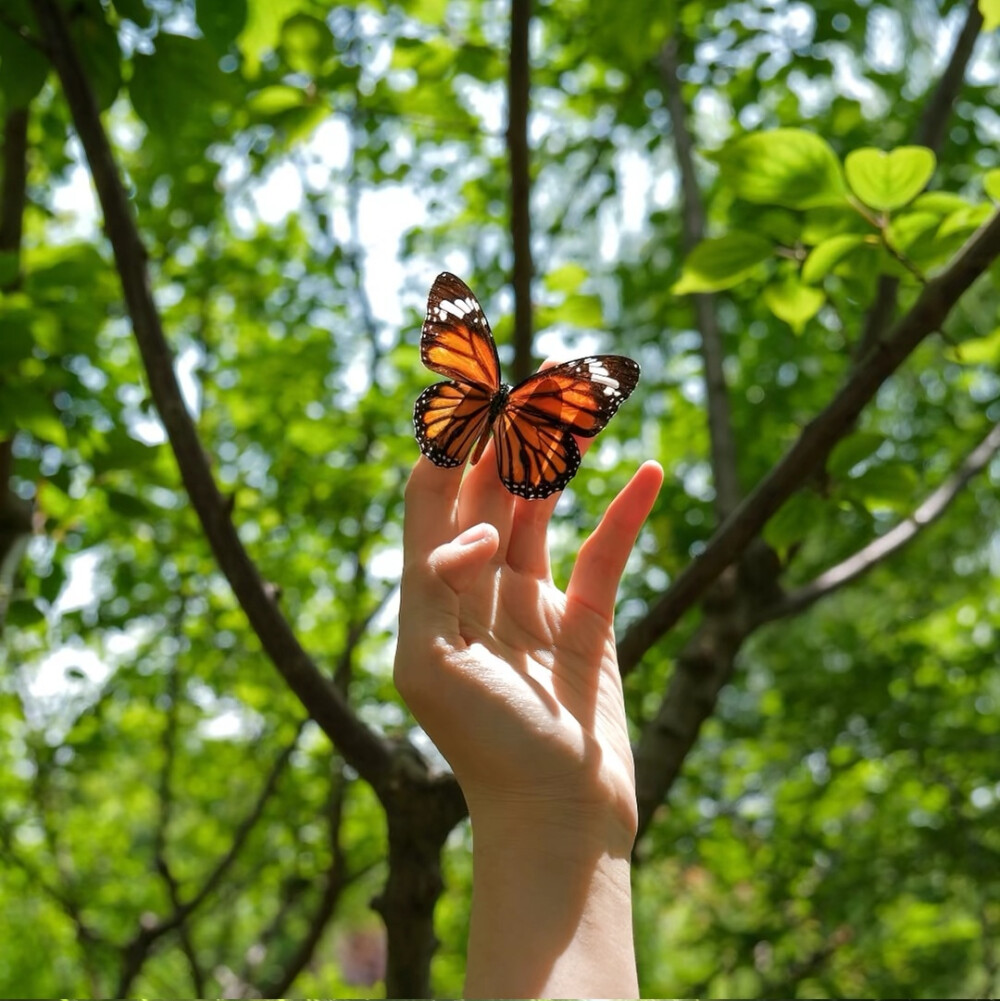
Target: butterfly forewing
579, 396
456, 340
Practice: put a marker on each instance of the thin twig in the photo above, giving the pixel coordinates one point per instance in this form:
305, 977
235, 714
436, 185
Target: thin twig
720, 426
135, 952
887, 545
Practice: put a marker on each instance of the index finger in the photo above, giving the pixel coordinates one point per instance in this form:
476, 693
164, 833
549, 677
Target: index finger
430, 516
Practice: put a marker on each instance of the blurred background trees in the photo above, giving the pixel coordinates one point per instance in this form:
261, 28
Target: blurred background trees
209, 786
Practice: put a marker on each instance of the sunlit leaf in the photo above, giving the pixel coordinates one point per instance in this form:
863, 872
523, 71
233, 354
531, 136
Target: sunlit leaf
991, 14
888, 181
221, 21
825, 256
722, 262
789, 167
793, 302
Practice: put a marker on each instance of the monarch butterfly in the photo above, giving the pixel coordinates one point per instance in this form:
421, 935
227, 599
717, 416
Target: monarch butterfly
533, 422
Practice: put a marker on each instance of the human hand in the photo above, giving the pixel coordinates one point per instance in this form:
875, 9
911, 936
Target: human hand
516, 682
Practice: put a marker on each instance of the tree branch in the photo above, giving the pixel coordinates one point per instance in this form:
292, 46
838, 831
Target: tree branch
360, 746
519, 155
337, 878
930, 132
887, 545
14, 181
720, 426
135, 952
15, 511
814, 443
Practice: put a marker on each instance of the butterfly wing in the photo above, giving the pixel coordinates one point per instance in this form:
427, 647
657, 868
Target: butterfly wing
449, 419
536, 452
456, 340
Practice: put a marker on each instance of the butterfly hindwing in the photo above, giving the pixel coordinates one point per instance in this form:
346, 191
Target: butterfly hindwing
534, 458
448, 419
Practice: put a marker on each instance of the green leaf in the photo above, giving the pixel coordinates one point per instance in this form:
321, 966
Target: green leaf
889, 484
990, 9
97, 43
10, 264
23, 68
306, 44
976, 350
45, 426
127, 505
582, 311
568, 278
722, 262
797, 517
172, 86
966, 220
991, 183
827, 255
275, 99
17, 340
134, 10
789, 167
888, 181
24, 613
221, 21
262, 30
907, 228
849, 451
941, 203
794, 303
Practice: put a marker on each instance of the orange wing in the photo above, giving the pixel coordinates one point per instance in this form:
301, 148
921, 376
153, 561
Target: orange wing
536, 452
456, 340
534, 423
449, 419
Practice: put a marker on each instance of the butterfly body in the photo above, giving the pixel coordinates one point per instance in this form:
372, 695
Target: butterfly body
533, 423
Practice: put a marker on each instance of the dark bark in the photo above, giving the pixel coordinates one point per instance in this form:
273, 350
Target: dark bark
519, 156
15, 511
420, 818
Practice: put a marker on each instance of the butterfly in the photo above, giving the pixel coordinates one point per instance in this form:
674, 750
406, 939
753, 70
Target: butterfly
532, 423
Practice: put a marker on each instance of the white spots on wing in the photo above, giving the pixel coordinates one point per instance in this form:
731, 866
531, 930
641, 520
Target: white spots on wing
459, 308
596, 371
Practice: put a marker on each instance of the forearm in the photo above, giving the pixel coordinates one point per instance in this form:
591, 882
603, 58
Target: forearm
551, 912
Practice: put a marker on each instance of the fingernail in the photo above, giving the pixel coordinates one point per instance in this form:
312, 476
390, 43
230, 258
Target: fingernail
472, 535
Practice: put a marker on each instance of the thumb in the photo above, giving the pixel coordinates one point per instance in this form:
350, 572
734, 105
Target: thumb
460, 561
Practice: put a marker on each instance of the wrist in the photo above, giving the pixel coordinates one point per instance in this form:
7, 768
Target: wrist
551, 905
569, 830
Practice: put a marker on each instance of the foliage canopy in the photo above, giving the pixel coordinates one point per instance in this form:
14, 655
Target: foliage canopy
786, 212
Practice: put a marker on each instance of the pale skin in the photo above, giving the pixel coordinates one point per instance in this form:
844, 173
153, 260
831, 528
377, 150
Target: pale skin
517, 684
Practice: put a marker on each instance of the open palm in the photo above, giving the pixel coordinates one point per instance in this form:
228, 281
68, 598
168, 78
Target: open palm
516, 682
